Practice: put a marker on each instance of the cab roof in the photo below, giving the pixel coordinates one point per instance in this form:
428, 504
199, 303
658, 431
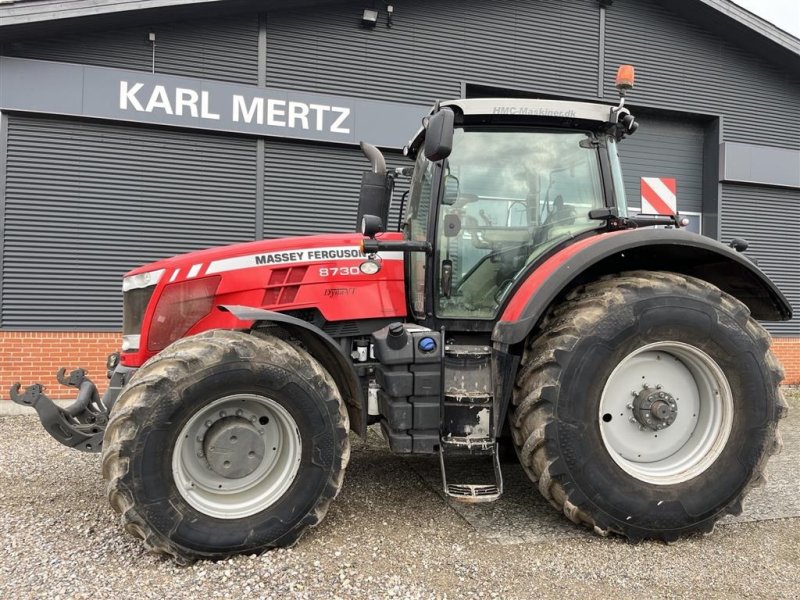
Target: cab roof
531, 108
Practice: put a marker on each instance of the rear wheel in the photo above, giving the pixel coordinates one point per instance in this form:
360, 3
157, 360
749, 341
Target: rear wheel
225, 443
648, 405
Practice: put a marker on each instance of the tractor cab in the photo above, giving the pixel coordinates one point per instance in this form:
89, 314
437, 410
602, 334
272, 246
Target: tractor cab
498, 184
520, 179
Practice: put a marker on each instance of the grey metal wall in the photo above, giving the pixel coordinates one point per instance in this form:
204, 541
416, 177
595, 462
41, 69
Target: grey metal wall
313, 188
665, 147
767, 218
224, 49
85, 202
434, 46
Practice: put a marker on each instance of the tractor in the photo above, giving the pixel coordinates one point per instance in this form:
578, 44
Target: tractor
515, 304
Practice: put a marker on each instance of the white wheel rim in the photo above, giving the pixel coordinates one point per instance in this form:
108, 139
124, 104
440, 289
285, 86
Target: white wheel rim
274, 444
703, 417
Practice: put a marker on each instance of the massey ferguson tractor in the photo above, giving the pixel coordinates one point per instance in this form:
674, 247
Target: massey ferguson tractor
516, 303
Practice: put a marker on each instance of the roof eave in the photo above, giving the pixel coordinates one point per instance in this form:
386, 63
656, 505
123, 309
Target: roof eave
757, 24
19, 18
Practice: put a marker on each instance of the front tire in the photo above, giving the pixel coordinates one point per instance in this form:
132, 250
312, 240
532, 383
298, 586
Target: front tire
225, 443
648, 405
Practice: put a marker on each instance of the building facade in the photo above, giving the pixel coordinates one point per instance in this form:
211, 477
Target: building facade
130, 131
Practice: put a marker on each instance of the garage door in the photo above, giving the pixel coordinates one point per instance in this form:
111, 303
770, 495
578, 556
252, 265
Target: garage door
85, 202
666, 147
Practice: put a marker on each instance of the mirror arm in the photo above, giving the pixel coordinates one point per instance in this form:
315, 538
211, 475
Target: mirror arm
374, 246
613, 221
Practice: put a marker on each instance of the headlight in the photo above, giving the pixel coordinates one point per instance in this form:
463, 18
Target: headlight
369, 267
142, 280
130, 342
180, 306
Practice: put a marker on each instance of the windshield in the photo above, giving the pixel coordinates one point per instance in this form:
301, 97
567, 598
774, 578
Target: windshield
509, 196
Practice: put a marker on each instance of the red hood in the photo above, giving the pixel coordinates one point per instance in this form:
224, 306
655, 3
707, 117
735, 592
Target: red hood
319, 272
292, 243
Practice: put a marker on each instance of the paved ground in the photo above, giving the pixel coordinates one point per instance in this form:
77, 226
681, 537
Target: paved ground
390, 533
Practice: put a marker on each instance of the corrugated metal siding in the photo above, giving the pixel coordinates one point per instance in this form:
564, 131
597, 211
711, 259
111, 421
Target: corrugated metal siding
766, 217
664, 147
311, 188
224, 49
683, 66
434, 46
86, 202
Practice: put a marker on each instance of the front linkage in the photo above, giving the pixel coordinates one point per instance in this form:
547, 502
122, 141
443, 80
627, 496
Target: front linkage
80, 425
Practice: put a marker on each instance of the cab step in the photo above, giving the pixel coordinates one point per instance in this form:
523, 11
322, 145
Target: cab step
467, 435
472, 493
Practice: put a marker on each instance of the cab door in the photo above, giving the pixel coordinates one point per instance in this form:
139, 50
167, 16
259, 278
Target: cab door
508, 197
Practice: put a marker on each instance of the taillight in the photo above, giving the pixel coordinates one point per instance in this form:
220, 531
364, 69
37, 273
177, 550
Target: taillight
180, 306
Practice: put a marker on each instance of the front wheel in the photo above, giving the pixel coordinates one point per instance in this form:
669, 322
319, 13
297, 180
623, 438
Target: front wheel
648, 405
225, 443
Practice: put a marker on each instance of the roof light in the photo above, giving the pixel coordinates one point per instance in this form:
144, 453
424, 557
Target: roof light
625, 78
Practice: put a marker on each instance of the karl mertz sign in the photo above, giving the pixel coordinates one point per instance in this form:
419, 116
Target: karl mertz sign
135, 96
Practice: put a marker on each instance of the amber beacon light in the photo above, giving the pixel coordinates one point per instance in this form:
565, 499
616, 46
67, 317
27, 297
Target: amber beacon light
625, 78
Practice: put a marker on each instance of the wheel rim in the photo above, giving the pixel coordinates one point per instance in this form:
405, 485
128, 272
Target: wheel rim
666, 413
236, 456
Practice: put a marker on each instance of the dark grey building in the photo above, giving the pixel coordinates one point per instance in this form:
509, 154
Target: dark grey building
133, 130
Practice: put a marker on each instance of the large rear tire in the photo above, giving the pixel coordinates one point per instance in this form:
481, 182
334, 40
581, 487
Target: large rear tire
647, 405
225, 443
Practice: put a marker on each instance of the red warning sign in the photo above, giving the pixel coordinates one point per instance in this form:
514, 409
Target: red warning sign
659, 196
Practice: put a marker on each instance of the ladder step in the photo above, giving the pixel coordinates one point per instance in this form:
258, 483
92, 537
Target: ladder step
469, 398
467, 351
473, 493
467, 445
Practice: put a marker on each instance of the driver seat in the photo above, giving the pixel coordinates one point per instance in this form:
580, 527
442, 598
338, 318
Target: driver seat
561, 214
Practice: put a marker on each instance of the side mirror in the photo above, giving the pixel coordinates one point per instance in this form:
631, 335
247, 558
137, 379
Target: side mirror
451, 186
439, 135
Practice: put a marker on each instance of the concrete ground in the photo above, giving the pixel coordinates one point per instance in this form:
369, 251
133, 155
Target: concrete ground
389, 534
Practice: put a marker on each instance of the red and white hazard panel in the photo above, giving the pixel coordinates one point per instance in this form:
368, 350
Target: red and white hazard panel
659, 196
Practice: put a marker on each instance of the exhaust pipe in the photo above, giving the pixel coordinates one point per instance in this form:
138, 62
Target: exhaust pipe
376, 188
375, 158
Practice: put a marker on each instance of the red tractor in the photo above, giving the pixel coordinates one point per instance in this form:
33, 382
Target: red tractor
517, 303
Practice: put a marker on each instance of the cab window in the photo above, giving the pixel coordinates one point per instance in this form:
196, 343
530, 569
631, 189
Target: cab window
508, 197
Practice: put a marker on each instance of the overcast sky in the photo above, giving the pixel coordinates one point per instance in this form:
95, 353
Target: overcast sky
783, 13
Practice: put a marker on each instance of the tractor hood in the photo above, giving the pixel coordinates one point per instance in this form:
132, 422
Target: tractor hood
320, 274
293, 250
